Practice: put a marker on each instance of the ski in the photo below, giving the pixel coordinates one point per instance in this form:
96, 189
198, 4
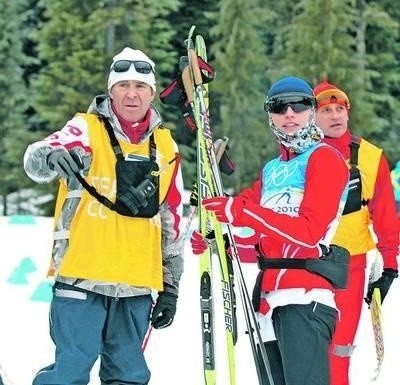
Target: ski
205, 262
197, 93
208, 171
219, 147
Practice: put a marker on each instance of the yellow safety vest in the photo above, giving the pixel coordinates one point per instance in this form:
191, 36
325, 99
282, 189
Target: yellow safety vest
353, 231
106, 246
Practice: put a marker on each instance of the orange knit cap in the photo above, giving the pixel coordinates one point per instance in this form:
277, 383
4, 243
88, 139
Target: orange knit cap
327, 93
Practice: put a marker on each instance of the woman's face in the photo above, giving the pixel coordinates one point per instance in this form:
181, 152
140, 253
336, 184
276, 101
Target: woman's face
290, 121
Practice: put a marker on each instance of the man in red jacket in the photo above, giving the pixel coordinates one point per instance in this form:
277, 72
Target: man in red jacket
370, 201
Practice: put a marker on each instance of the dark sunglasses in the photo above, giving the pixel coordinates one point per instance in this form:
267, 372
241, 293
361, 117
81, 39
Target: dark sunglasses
280, 105
141, 66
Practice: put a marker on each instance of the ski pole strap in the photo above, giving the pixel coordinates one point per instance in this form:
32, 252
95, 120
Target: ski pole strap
188, 117
202, 72
207, 72
174, 93
333, 265
177, 95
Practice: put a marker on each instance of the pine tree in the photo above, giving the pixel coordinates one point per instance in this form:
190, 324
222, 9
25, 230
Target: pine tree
240, 86
78, 40
14, 102
382, 43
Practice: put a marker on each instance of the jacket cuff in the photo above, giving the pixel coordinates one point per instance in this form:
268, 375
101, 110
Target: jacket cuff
168, 288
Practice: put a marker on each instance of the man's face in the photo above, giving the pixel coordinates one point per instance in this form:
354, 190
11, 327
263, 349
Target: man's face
132, 99
332, 119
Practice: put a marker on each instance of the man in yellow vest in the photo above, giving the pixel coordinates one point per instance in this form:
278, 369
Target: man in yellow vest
370, 202
118, 233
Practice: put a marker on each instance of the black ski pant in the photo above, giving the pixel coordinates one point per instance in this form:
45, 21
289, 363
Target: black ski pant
303, 335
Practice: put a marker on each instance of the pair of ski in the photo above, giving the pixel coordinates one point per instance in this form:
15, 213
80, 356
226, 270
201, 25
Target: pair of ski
209, 184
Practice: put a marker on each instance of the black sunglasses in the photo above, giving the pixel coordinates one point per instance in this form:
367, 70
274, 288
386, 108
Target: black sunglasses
296, 103
141, 66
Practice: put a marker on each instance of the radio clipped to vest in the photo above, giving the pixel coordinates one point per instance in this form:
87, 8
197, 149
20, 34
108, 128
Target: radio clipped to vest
137, 181
137, 188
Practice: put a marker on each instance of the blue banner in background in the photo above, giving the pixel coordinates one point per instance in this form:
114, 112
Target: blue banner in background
25, 250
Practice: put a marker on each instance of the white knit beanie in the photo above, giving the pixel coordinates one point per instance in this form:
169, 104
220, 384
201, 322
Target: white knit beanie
131, 54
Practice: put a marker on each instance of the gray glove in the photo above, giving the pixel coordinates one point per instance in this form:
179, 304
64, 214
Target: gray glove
64, 163
164, 310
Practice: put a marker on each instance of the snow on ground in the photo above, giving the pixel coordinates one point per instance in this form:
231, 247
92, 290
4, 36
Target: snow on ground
173, 354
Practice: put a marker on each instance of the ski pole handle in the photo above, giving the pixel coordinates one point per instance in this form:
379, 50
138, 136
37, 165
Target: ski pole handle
194, 62
188, 84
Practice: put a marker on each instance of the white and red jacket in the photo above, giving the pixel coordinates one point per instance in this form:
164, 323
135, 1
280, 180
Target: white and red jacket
295, 205
115, 238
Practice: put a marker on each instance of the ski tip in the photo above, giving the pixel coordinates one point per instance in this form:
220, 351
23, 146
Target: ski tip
188, 41
199, 39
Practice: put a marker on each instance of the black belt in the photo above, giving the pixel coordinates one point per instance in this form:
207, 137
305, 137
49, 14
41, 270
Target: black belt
281, 263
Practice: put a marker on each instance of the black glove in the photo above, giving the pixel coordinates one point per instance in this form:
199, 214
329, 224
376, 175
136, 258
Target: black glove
383, 284
65, 163
164, 310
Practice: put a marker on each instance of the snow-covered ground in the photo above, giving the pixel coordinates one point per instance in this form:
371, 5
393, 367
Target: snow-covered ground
174, 354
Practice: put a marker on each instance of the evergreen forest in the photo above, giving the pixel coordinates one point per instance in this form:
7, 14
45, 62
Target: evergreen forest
55, 57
